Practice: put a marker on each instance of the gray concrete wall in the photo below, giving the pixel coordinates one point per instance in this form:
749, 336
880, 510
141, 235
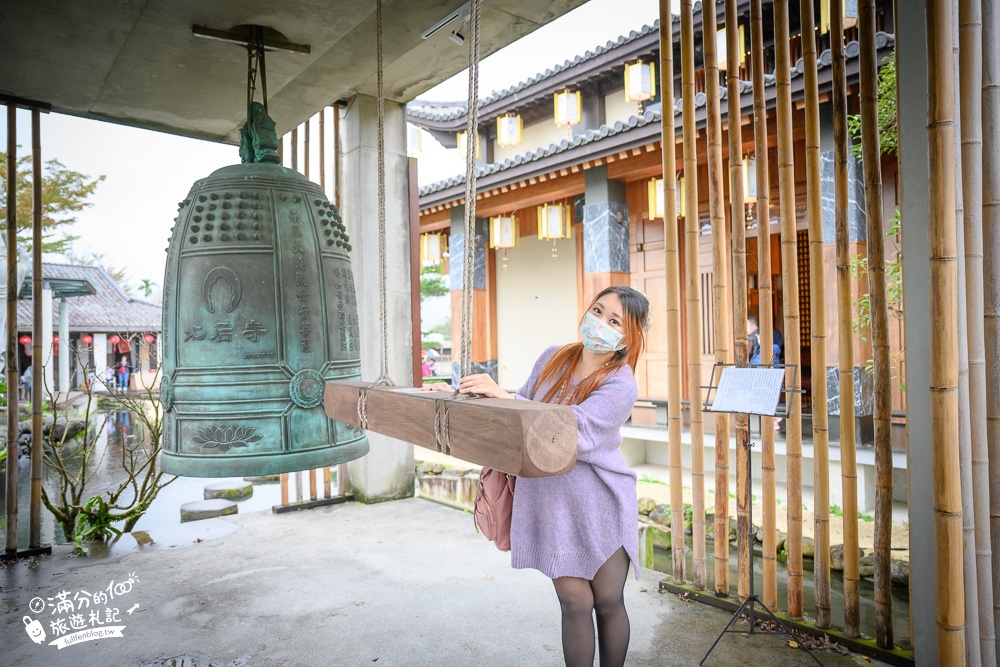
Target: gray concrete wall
386, 473
911, 81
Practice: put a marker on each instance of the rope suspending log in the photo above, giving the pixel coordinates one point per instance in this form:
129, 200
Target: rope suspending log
521, 438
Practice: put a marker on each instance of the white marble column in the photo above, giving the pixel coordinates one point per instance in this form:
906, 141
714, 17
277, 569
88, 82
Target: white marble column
100, 345
46, 335
65, 352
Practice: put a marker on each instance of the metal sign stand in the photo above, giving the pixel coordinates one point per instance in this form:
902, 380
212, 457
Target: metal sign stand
747, 608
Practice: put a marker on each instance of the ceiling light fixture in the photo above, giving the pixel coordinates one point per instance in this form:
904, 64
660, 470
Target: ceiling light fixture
463, 13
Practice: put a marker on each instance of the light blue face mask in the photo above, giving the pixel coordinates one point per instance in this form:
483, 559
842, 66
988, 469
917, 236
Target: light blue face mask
600, 337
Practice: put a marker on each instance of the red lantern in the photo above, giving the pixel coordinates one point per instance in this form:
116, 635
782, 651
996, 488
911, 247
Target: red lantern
86, 339
24, 340
55, 339
149, 338
113, 339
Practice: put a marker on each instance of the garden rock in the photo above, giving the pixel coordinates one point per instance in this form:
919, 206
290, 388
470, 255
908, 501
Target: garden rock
661, 515
426, 468
808, 547
69, 430
866, 566
837, 557
899, 572
646, 505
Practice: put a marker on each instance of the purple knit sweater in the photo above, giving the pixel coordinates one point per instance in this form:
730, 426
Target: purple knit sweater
569, 525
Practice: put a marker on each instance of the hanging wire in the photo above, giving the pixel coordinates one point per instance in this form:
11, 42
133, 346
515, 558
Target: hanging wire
469, 248
256, 67
383, 377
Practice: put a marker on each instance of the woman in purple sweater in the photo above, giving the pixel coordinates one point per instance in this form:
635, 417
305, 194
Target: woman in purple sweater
581, 529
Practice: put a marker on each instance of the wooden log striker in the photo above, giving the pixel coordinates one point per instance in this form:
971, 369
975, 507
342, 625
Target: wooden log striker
522, 438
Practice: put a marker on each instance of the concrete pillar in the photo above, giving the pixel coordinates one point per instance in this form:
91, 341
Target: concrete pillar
911, 82
386, 473
65, 351
484, 343
864, 391
100, 346
46, 335
605, 233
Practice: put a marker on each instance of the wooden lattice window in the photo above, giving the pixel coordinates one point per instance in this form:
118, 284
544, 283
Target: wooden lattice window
804, 311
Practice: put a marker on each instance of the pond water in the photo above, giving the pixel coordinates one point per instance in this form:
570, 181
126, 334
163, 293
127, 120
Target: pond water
119, 429
663, 562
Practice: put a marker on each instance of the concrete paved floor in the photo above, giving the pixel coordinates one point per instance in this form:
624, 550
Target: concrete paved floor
405, 583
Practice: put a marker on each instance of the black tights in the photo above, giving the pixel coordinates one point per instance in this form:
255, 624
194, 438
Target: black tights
580, 599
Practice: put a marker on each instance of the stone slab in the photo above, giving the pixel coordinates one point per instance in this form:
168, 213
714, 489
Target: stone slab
236, 491
207, 509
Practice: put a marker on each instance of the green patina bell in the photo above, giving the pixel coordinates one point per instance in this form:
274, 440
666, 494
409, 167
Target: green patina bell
259, 311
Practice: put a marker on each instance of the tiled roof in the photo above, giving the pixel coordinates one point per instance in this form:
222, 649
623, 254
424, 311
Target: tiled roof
825, 59
110, 310
650, 116
452, 110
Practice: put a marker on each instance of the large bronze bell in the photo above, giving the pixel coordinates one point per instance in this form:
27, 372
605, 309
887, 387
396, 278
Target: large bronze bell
259, 311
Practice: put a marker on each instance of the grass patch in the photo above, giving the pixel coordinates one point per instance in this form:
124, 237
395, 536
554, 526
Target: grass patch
652, 480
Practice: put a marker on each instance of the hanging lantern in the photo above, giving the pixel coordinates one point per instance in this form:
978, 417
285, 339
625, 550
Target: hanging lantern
86, 339
640, 82
113, 339
721, 48
657, 200
749, 180
568, 108
509, 130
24, 339
462, 148
433, 247
554, 222
504, 234
149, 338
259, 313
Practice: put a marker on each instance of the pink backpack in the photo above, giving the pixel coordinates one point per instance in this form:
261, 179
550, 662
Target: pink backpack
493, 506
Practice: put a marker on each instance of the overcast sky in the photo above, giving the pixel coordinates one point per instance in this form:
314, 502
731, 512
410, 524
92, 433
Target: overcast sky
148, 172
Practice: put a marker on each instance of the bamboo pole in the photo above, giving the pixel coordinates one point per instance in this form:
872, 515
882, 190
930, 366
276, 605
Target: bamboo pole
693, 298
764, 313
991, 276
738, 214
673, 295
817, 321
972, 656
720, 290
845, 335
790, 287
879, 320
13, 445
950, 612
971, 83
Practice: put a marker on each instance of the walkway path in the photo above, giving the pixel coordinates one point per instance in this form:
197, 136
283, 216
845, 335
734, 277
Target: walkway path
406, 583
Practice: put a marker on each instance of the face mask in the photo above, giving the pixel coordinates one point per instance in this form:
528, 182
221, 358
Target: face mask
599, 337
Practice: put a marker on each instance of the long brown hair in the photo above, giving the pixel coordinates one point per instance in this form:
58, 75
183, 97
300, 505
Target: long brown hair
561, 367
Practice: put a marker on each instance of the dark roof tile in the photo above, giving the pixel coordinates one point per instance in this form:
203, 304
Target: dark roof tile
110, 310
